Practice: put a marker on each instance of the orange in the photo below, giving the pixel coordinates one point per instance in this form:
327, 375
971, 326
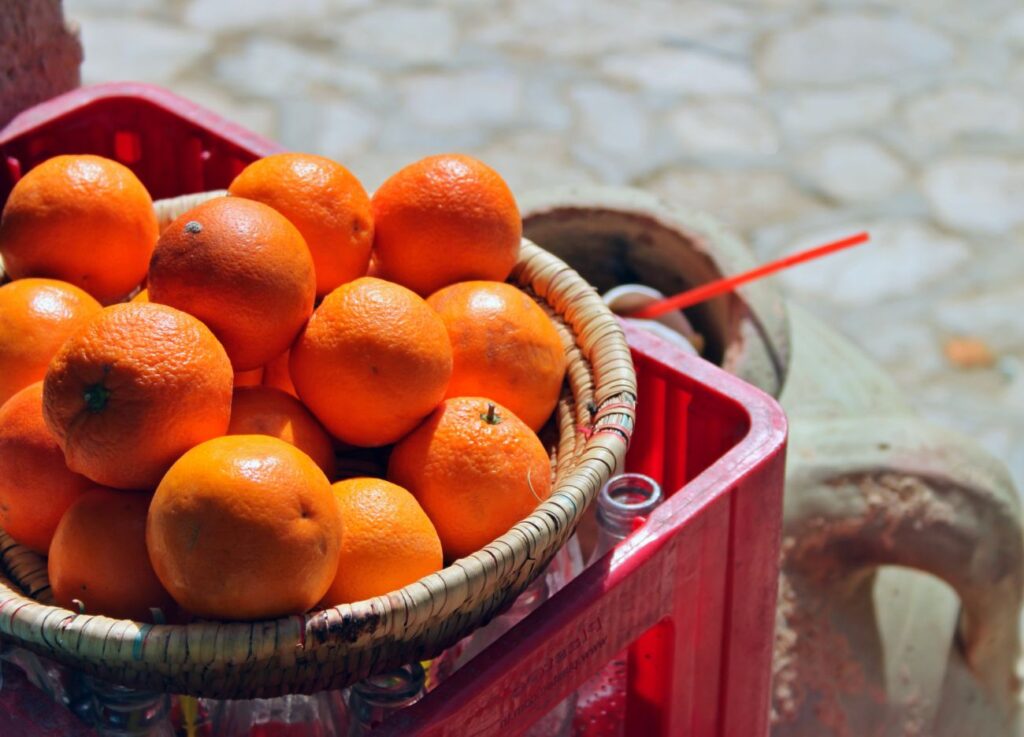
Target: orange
140, 385
325, 202
388, 543
253, 377
277, 374
476, 469
36, 487
99, 557
142, 296
504, 347
244, 527
83, 219
36, 317
262, 410
241, 268
373, 361
445, 219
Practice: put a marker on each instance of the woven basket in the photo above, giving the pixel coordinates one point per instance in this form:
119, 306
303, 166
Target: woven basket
338, 646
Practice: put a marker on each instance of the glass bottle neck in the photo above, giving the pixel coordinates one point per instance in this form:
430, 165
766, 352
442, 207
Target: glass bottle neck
374, 699
125, 712
622, 501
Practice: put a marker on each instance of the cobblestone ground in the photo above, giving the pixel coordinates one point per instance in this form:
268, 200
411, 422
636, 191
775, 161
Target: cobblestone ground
790, 119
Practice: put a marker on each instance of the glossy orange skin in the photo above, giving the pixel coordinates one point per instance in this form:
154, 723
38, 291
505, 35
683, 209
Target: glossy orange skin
445, 219
244, 527
373, 361
36, 317
241, 268
140, 385
474, 479
389, 541
99, 557
277, 374
325, 201
504, 347
263, 410
83, 219
36, 487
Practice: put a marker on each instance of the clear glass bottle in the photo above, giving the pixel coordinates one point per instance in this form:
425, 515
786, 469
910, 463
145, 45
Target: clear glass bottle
622, 503
126, 712
293, 715
373, 700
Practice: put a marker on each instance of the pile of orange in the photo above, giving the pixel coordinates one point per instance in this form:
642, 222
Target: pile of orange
180, 411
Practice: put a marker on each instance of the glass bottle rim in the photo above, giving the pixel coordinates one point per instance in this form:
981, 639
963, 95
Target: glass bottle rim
406, 680
614, 495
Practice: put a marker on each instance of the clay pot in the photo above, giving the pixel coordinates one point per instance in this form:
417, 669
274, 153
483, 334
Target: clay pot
618, 236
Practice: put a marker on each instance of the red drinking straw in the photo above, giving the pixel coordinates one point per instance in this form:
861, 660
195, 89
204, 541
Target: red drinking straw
726, 284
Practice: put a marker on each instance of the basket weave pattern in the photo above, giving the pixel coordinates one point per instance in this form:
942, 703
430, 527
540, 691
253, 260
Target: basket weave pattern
338, 646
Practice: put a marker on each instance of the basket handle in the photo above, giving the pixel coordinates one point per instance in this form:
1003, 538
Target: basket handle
168, 210
911, 494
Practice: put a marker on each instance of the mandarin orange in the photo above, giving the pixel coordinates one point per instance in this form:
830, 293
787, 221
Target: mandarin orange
99, 557
36, 486
83, 219
137, 387
445, 219
36, 317
388, 542
372, 362
241, 268
244, 527
504, 347
476, 469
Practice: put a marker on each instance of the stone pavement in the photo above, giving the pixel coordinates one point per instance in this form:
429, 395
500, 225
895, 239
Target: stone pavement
792, 120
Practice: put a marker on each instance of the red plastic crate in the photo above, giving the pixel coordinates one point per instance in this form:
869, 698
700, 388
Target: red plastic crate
691, 593
174, 146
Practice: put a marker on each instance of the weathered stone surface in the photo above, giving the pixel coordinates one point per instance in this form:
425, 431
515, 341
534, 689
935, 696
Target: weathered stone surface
72, 8
965, 112
396, 36
337, 129
840, 48
462, 99
724, 127
995, 313
681, 71
570, 29
532, 160
617, 137
745, 199
835, 110
216, 15
976, 193
854, 169
902, 259
1011, 29
158, 52
270, 68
